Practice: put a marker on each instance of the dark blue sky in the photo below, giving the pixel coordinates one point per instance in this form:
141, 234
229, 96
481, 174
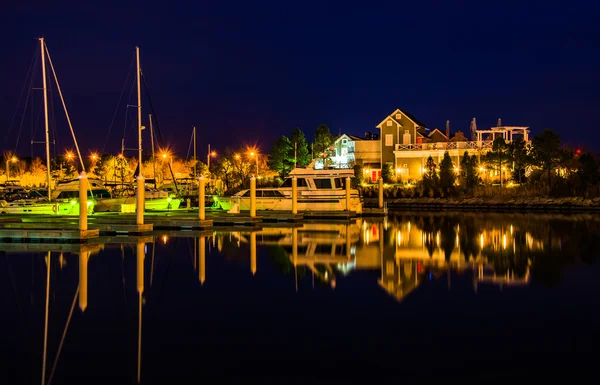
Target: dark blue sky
247, 72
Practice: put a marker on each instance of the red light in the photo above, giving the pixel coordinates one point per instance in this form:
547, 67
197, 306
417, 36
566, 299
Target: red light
419, 267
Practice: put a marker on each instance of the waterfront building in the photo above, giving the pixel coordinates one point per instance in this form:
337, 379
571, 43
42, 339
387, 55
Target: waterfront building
405, 143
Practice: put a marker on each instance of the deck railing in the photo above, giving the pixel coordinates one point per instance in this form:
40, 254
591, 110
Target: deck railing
470, 145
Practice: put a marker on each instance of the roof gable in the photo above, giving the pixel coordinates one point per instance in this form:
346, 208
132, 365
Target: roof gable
410, 117
438, 136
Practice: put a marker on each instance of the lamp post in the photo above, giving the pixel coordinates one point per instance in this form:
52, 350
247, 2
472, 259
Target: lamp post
11, 159
210, 154
252, 154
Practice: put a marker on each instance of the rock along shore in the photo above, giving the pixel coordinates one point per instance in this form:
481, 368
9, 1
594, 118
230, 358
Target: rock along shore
576, 204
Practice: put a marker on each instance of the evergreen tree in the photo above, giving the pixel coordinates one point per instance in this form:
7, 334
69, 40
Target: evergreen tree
546, 152
430, 177
279, 157
323, 140
498, 157
298, 141
469, 172
447, 175
519, 159
387, 173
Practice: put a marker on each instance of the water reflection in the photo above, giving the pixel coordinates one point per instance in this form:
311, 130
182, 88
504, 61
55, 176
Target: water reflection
500, 250
399, 255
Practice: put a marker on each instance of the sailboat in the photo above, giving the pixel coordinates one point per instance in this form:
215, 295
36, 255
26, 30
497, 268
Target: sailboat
47, 205
104, 199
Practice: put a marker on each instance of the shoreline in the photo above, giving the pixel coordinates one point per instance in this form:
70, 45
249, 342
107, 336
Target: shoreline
576, 204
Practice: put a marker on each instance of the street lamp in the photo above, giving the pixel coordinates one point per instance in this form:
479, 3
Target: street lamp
211, 154
11, 159
252, 154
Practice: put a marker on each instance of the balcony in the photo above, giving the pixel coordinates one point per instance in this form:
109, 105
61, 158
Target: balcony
443, 146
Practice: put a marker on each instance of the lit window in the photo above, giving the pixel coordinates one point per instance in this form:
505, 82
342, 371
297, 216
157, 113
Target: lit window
398, 116
389, 140
389, 123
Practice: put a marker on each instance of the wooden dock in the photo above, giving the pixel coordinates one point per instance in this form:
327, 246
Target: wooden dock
47, 235
374, 212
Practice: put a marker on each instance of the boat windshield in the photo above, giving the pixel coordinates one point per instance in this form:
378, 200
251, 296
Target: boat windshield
301, 182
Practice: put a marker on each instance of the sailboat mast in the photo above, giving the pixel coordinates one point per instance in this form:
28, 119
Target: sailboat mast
194, 152
45, 89
139, 96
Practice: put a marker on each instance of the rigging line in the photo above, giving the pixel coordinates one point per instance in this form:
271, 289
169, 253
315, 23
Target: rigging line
62, 340
66, 112
29, 77
127, 115
118, 104
158, 128
23, 116
187, 156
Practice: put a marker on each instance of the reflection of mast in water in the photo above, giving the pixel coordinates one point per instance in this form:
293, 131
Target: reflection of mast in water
48, 263
140, 290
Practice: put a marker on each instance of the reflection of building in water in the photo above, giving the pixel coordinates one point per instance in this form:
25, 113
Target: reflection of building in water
499, 254
407, 252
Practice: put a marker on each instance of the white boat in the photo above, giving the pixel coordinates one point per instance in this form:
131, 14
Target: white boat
37, 206
318, 190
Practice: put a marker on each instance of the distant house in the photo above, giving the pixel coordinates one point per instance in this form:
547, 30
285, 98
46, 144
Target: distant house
353, 150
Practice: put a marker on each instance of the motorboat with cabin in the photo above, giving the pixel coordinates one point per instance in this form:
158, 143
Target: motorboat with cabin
318, 190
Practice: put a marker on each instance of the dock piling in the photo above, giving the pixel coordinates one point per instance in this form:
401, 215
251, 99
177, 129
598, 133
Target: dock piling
201, 203
294, 195
348, 194
140, 200
83, 186
252, 197
380, 193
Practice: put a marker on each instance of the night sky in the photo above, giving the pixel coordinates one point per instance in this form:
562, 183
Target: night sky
248, 72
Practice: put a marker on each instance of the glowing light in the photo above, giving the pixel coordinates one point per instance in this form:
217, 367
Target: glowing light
94, 156
165, 239
481, 240
504, 241
398, 170
13, 159
481, 169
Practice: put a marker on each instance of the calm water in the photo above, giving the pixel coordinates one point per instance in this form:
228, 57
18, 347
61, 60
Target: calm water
478, 296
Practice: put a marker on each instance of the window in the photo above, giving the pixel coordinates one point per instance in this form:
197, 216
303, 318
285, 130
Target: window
344, 141
339, 183
389, 140
389, 123
300, 182
398, 116
323, 183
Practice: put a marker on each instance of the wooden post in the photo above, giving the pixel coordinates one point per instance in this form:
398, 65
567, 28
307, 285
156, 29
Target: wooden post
83, 279
294, 195
253, 197
140, 200
201, 208
348, 194
188, 203
380, 193
83, 186
253, 252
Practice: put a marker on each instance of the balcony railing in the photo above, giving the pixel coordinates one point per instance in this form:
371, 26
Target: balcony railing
470, 145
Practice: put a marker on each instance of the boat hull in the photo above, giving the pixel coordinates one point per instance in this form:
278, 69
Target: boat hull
285, 204
24, 207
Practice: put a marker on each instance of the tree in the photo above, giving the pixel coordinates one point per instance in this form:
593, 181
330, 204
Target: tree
588, 170
546, 152
430, 177
498, 157
323, 140
279, 157
359, 174
518, 155
387, 173
300, 145
447, 175
469, 173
